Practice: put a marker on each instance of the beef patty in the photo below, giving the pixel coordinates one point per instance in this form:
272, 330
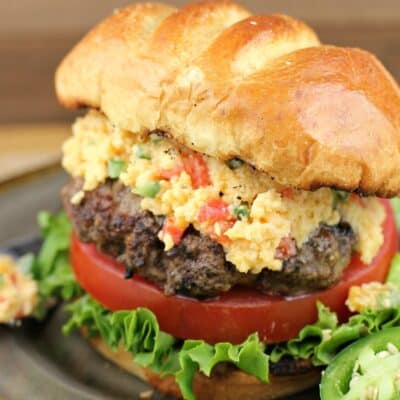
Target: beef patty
110, 216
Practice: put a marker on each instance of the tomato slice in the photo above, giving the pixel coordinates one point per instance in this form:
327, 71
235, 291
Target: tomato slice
232, 316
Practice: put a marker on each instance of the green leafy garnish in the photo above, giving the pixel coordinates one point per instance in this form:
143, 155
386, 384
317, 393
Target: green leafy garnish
148, 189
235, 163
138, 331
322, 341
142, 152
115, 167
241, 212
51, 268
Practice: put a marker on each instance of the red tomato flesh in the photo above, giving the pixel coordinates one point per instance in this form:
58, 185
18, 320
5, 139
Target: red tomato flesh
232, 316
168, 174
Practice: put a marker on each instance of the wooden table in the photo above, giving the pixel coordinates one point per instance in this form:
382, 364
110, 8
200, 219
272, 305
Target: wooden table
28, 63
29, 147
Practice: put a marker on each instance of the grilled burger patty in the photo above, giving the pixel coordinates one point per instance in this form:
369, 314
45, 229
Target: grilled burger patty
111, 217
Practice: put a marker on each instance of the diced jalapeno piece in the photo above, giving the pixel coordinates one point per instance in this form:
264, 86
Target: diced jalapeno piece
367, 369
1, 280
148, 189
235, 163
241, 212
339, 195
142, 152
156, 138
115, 167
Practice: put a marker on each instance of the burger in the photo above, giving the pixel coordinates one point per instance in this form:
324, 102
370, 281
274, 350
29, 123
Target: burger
230, 234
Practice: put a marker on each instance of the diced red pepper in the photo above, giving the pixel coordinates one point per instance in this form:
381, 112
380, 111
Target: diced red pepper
215, 210
287, 192
196, 167
14, 278
358, 199
286, 248
168, 174
220, 236
171, 228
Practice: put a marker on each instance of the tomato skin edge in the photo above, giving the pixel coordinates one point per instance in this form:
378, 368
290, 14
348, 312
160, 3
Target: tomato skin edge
231, 316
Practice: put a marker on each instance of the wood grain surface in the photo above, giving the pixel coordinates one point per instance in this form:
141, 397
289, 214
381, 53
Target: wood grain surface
28, 148
28, 63
78, 15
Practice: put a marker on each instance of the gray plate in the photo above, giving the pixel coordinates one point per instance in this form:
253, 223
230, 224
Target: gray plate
36, 360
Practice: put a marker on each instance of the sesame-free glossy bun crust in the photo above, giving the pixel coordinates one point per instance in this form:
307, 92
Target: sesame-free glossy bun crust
234, 385
230, 84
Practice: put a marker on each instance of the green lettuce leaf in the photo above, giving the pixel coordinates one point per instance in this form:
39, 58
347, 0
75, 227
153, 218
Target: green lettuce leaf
51, 268
308, 339
138, 331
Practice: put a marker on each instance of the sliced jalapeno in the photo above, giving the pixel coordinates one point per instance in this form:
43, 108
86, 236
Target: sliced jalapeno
367, 369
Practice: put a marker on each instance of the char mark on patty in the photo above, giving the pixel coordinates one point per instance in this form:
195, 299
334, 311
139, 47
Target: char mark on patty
111, 217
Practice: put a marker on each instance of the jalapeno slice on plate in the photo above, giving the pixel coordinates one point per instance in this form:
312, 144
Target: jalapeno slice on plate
368, 369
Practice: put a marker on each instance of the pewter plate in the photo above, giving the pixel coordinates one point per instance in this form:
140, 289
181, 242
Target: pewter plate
36, 361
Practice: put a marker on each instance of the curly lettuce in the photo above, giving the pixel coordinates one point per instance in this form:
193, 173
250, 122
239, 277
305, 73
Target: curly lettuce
139, 333
51, 268
322, 341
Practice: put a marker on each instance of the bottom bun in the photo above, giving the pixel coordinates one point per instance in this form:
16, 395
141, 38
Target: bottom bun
229, 385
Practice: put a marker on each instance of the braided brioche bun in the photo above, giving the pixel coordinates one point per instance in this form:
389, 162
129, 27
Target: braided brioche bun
233, 385
229, 84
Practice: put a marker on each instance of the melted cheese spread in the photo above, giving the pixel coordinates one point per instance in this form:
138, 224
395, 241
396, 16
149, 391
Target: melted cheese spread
373, 296
251, 241
18, 292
